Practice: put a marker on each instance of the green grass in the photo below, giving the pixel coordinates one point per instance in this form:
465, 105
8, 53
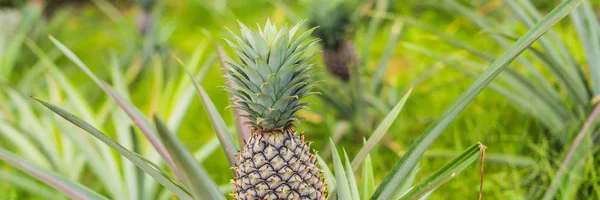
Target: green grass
94, 37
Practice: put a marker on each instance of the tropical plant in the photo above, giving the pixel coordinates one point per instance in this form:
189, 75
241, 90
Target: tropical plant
193, 182
16, 23
558, 94
271, 79
69, 152
36, 135
356, 96
336, 21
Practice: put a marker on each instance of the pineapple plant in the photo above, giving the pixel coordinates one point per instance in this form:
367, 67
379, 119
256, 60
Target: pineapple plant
553, 85
271, 78
193, 182
335, 20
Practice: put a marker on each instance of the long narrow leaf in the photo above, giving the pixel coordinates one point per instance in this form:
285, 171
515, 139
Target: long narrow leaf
571, 153
395, 33
197, 180
135, 115
368, 179
216, 120
131, 156
30, 184
342, 188
408, 161
9, 57
329, 177
445, 173
406, 184
379, 132
350, 177
70, 188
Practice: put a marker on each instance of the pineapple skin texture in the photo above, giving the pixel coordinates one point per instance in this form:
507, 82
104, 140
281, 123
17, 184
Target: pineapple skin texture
277, 165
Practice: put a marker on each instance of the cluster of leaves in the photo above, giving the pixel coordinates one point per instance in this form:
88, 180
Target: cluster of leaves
564, 102
193, 182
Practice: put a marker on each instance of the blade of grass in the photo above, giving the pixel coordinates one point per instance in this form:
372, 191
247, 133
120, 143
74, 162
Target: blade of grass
368, 178
216, 120
407, 162
72, 189
75, 97
82, 107
487, 57
445, 173
33, 128
395, 33
593, 53
125, 135
539, 78
407, 184
28, 148
139, 161
376, 19
109, 165
379, 132
111, 180
8, 58
342, 187
135, 115
350, 177
329, 177
196, 179
587, 28
156, 84
537, 15
30, 185
525, 94
551, 191
577, 92
185, 92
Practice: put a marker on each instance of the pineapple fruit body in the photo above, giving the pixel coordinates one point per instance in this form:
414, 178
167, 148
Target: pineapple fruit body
278, 165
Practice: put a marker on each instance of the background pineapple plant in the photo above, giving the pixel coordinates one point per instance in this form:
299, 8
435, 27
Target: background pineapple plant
336, 21
272, 78
564, 117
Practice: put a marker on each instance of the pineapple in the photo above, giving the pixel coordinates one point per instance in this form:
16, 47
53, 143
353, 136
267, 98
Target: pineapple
271, 79
335, 20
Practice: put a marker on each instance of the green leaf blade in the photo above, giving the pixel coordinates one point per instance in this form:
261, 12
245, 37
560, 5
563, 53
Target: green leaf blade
342, 187
72, 189
135, 115
409, 160
445, 173
140, 162
368, 178
217, 121
350, 177
379, 132
197, 180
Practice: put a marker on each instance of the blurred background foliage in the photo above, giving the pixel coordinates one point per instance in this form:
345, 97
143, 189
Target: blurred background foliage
137, 40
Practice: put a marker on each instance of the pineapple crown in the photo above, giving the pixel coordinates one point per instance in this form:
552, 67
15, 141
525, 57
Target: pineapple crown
272, 74
335, 20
